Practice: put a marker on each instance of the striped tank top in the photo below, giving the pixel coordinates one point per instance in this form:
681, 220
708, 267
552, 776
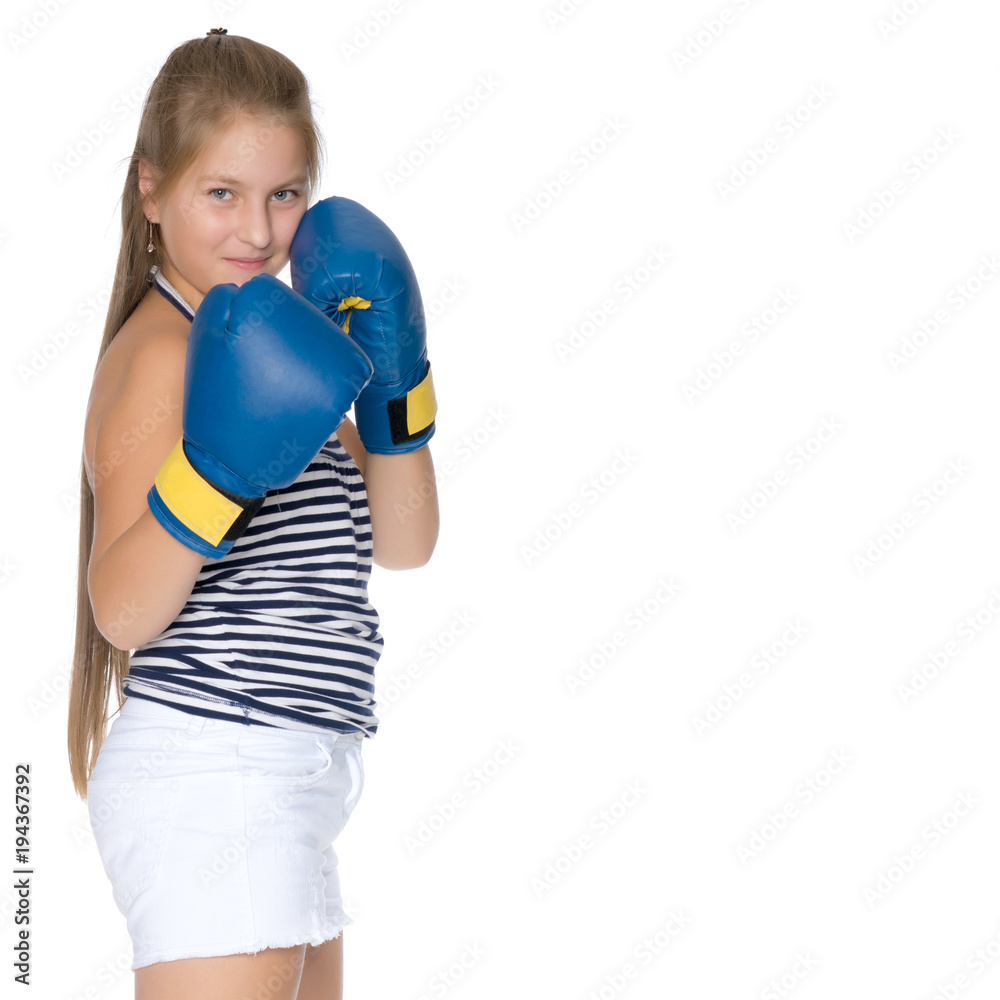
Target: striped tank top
278, 631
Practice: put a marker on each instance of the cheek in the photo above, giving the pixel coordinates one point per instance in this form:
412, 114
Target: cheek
214, 228
286, 225
199, 228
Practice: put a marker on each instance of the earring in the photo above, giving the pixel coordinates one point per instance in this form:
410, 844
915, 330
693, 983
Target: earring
150, 248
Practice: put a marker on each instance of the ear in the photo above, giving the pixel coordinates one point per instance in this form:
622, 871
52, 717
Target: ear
147, 185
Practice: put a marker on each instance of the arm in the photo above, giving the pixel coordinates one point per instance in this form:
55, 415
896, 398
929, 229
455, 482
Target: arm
367, 281
246, 385
402, 499
139, 575
402, 502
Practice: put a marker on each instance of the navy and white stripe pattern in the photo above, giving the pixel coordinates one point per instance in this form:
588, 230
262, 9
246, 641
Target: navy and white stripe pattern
279, 631
168, 291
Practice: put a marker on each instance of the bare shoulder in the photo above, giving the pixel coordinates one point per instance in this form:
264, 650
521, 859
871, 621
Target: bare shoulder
142, 372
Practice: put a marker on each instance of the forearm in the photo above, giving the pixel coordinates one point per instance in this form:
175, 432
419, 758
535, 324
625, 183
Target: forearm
141, 582
402, 502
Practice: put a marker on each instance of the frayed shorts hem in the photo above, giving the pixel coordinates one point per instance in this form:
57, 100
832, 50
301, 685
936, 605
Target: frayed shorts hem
221, 949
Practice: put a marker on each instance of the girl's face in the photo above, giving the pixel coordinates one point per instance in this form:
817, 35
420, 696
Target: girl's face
235, 210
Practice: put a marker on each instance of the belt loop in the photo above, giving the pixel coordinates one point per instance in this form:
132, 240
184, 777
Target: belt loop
196, 725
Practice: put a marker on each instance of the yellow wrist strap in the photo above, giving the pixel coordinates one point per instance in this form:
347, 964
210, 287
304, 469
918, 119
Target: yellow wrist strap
192, 499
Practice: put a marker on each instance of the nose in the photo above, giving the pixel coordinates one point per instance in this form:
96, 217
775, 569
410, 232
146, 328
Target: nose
255, 226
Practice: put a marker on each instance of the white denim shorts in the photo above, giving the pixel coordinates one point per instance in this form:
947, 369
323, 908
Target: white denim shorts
218, 836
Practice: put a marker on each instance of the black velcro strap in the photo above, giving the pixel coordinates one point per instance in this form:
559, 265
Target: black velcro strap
250, 508
398, 412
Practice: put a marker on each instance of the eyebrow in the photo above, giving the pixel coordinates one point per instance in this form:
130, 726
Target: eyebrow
235, 182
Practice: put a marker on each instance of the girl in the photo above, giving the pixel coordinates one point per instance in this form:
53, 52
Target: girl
230, 514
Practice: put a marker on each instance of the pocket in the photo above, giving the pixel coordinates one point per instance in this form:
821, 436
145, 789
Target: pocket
130, 821
265, 758
355, 765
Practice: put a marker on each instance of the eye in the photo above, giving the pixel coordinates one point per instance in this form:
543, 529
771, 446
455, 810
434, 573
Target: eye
223, 191
289, 195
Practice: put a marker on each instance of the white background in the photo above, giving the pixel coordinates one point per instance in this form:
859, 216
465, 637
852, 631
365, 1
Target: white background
577, 486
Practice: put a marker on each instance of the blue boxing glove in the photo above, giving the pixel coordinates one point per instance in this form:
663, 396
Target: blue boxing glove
348, 263
267, 380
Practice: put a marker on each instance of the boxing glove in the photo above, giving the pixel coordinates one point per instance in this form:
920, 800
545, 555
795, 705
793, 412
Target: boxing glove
348, 263
267, 380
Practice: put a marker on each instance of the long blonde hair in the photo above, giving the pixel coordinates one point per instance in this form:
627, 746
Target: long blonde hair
204, 84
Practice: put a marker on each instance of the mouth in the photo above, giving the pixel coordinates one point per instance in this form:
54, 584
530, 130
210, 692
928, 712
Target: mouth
247, 263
